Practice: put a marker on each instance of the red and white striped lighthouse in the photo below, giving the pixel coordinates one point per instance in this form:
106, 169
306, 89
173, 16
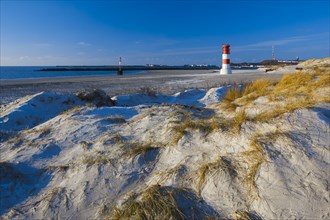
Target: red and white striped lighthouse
225, 69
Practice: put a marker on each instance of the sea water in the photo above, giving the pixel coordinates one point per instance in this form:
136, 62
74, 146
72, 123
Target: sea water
25, 72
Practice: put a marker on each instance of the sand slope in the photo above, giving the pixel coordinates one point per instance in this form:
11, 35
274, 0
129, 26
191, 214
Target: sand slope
84, 162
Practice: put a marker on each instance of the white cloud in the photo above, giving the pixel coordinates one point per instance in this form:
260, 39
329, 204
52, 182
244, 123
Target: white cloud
82, 43
41, 45
22, 58
279, 42
193, 50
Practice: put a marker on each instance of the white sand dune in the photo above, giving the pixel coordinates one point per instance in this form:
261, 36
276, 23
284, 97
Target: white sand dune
192, 97
35, 109
89, 162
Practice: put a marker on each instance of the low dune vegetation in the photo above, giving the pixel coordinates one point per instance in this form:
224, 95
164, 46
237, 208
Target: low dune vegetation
303, 89
164, 203
221, 164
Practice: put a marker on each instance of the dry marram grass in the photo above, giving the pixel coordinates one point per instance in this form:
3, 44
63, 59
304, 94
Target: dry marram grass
110, 139
97, 158
163, 203
136, 149
294, 91
231, 95
221, 163
256, 155
56, 198
85, 144
238, 121
45, 130
245, 215
72, 110
154, 203
202, 125
280, 110
252, 91
166, 174
297, 91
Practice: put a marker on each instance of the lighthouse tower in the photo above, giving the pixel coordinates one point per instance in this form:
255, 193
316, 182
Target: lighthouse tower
225, 69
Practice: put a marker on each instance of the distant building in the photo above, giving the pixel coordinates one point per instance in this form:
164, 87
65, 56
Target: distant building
288, 61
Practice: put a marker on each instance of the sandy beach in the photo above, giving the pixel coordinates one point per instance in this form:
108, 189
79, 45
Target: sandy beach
162, 81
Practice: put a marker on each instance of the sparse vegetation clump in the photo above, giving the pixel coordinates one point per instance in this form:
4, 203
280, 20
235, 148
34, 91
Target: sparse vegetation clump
180, 130
195, 119
55, 199
17, 140
96, 96
155, 202
245, 215
135, 149
112, 139
86, 145
221, 163
44, 131
297, 91
179, 115
97, 158
117, 119
291, 106
252, 91
231, 95
72, 110
167, 173
322, 81
236, 123
60, 168
159, 202
292, 85
208, 125
294, 91
215, 125
300, 85
256, 155
128, 149
249, 93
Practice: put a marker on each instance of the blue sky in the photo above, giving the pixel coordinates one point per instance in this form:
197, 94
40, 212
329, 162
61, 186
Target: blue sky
172, 32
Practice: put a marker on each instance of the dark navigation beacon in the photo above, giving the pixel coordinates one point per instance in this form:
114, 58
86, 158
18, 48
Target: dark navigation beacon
120, 70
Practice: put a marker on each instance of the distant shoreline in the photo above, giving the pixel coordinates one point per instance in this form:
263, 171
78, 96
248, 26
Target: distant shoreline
114, 68
62, 77
21, 73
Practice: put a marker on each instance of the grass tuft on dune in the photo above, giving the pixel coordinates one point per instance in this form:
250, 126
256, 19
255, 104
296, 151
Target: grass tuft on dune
162, 202
294, 91
135, 149
231, 95
256, 155
220, 164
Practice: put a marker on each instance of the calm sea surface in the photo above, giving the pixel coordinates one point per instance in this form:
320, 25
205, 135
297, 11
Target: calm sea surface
25, 72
